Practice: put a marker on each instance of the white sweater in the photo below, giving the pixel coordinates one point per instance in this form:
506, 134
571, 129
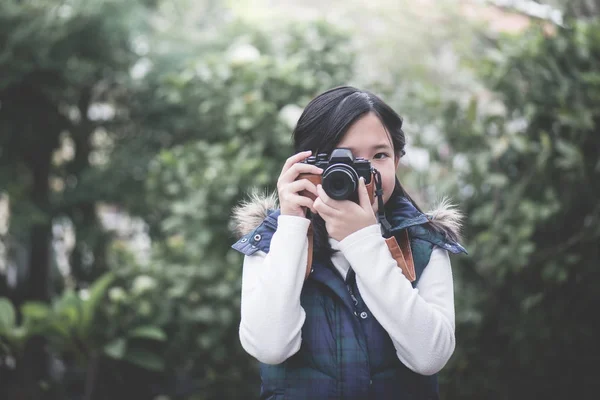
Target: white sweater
420, 321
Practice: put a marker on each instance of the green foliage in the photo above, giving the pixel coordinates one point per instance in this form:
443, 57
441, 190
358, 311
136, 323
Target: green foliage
10, 334
71, 327
529, 183
243, 121
206, 119
229, 93
57, 61
7, 315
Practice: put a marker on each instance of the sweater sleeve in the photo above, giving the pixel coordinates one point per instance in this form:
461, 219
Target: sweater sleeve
271, 315
420, 321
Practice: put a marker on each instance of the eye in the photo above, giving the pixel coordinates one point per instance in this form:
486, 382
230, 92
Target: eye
380, 156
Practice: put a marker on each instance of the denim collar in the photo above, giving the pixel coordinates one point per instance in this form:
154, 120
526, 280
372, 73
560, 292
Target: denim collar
401, 213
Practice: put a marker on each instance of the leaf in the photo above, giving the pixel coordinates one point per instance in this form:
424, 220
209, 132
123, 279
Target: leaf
35, 311
201, 314
20, 334
570, 155
145, 359
472, 110
69, 312
7, 316
97, 293
148, 332
116, 348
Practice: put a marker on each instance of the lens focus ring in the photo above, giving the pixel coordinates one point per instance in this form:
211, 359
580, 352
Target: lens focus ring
340, 181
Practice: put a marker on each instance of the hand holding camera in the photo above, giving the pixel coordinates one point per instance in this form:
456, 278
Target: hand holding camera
292, 188
343, 218
321, 183
344, 178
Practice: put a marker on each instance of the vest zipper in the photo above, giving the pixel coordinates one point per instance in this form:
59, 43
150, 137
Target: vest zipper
354, 299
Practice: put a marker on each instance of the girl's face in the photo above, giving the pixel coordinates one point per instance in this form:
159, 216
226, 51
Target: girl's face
368, 138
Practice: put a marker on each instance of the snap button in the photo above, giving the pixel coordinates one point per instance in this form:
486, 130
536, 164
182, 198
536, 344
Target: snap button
363, 315
257, 237
244, 240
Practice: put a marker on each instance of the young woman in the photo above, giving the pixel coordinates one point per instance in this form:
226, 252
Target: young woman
339, 319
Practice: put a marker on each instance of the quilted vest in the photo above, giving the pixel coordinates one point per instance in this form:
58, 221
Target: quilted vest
345, 352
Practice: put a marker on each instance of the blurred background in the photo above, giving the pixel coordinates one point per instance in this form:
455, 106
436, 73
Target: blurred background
129, 129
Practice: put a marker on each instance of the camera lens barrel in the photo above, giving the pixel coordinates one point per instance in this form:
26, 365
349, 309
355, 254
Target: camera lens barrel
340, 181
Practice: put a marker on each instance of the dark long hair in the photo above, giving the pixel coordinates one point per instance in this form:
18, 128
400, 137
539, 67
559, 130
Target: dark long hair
325, 121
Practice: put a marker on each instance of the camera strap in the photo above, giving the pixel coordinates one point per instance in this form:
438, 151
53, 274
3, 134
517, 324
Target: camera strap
386, 228
402, 252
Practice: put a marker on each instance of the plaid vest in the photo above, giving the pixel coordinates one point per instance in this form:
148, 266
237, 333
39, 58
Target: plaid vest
345, 352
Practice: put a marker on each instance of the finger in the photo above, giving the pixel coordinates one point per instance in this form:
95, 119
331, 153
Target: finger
363, 195
296, 158
301, 201
299, 185
335, 204
299, 168
323, 209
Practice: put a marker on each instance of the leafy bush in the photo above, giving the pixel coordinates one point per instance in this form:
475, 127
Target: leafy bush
210, 119
529, 180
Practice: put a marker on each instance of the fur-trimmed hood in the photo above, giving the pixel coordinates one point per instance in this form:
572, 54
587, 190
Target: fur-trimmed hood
444, 218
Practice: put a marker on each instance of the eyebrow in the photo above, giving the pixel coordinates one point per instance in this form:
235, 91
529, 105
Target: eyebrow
381, 146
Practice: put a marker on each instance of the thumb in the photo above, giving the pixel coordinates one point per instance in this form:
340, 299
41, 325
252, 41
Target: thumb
363, 195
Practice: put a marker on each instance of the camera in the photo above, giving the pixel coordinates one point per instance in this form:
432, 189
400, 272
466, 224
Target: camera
341, 172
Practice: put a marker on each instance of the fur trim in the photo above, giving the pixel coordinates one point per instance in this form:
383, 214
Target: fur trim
447, 219
250, 213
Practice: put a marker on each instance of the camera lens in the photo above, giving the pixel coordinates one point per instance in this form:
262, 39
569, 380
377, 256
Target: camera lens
340, 181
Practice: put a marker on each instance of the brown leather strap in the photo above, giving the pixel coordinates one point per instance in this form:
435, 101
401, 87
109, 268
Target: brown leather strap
408, 257
403, 255
310, 236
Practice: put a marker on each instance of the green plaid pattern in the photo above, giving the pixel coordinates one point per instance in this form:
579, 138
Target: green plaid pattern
343, 355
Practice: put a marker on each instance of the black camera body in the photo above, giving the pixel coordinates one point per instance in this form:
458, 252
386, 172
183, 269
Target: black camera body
341, 172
